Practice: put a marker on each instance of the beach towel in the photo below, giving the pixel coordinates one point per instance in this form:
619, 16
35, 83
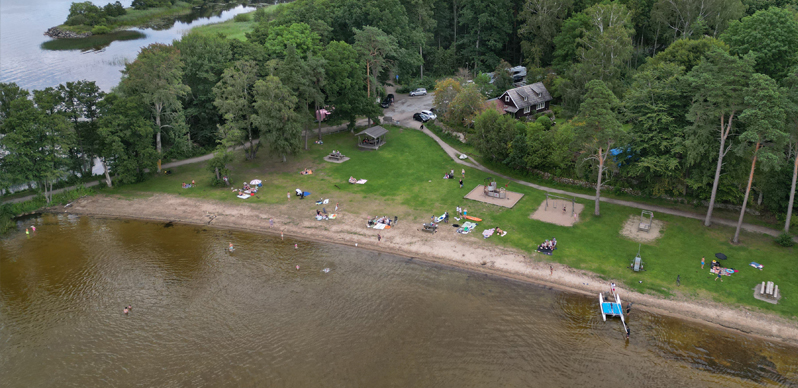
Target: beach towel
545, 251
380, 226
757, 265
326, 201
439, 219
362, 181
470, 225
307, 193
488, 232
333, 216
243, 196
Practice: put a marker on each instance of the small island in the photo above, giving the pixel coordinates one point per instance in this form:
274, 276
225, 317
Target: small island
86, 19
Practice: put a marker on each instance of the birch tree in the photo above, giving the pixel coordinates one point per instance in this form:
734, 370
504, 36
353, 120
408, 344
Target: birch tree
157, 75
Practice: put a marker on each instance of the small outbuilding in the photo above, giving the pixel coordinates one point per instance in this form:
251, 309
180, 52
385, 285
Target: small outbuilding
372, 138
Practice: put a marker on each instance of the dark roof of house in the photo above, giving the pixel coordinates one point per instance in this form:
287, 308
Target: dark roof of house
535, 94
374, 132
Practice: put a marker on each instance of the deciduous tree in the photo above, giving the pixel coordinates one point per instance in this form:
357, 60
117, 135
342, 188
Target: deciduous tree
771, 35
235, 100
157, 76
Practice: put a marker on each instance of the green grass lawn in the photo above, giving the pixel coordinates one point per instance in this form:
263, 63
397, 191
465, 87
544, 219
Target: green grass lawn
229, 29
407, 173
232, 29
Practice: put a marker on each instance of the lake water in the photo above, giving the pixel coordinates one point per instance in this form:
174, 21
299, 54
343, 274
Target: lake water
35, 61
204, 317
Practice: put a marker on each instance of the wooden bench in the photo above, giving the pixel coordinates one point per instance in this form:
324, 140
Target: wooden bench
336, 156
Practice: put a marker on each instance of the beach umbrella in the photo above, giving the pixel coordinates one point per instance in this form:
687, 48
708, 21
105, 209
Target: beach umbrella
255, 182
720, 256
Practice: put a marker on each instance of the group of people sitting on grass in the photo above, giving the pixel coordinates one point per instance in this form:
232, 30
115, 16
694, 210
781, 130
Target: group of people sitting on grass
382, 220
448, 175
189, 185
548, 246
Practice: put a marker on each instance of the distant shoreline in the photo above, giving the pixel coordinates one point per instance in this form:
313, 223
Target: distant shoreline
442, 248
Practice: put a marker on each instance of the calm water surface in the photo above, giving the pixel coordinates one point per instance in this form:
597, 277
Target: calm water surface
203, 317
35, 61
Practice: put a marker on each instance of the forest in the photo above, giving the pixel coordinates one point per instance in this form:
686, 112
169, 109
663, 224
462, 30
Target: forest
686, 99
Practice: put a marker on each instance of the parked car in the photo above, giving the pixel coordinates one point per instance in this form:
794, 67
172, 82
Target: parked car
387, 101
430, 114
421, 117
419, 92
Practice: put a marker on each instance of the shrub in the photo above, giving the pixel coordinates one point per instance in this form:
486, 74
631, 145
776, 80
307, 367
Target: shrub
785, 240
76, 20
404, 89
260, 15
100, 30
241, 18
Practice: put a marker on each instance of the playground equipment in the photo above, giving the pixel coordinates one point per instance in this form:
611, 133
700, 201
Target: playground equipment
637, 264
492, 189
553, 197
645, 225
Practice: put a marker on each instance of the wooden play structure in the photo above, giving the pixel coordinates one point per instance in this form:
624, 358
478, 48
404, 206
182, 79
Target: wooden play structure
553, 196
645, 224
491, 189
372, 138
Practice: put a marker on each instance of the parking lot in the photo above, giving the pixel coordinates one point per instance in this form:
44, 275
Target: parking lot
404, 107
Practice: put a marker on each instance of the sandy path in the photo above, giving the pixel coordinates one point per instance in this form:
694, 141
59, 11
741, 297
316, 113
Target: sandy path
446, 247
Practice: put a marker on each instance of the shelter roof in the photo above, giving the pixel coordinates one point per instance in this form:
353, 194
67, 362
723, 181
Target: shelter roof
374, 132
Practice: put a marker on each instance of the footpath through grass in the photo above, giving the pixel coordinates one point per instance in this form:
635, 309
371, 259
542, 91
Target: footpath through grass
407, 173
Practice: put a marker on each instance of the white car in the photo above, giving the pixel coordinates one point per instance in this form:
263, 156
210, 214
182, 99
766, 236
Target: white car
419, 92
432, 116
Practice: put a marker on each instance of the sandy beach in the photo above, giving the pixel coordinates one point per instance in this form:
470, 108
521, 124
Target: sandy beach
445, 247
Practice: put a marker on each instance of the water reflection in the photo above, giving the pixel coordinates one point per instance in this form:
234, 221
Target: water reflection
205, 317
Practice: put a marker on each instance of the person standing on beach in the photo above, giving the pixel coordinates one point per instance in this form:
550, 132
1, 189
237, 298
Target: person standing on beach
702, 262
289, 195
379, 237
463, 172
281, 236
336, 206
678, 280
461, 183
271, 222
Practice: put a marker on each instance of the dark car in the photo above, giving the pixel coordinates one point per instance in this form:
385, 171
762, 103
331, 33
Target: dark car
387, 101
421, 117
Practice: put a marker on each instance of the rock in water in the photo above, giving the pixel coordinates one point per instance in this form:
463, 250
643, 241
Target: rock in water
55, 32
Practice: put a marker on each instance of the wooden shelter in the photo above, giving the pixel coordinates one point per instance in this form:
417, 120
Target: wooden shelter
372, 138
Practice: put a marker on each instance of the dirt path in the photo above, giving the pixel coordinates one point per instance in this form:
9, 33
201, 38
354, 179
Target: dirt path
295, 218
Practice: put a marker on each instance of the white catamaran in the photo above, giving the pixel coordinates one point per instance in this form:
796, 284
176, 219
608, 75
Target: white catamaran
613, 309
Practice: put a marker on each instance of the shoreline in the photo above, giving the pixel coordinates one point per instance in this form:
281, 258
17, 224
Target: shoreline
447, 249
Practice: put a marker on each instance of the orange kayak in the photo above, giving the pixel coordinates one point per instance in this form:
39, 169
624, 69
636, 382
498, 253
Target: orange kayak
472, 218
